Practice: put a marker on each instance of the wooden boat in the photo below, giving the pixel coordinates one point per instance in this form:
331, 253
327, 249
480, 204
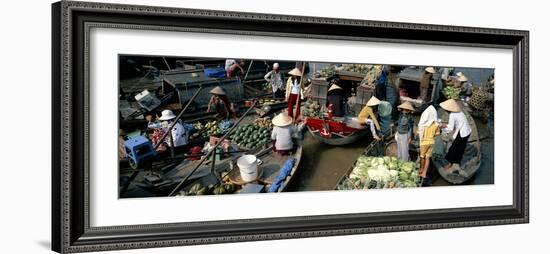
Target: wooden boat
334, 132
270, 167
376, 148
471, 160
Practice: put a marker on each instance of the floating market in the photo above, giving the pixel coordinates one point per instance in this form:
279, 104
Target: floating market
207, 126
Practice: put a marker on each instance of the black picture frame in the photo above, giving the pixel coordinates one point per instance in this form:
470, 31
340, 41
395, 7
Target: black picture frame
71, 22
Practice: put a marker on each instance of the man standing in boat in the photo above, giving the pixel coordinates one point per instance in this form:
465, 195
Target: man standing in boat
179, 136
459, 126
425, 82
276, 81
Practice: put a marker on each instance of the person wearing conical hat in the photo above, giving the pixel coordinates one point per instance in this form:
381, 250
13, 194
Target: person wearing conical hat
404, 133
367, 118
282, 134
275, 80
219, 102
294, 92
428, 128
460, 128
335, 100
425, 82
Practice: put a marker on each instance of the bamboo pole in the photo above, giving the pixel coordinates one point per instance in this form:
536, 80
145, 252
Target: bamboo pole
177, 118
213, 150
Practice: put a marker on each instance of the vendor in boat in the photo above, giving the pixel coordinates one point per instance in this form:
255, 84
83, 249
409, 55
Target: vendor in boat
219, 102
428, 128
425, 82
461, 130
405, 126
461, 81
275, 80
366, 118
294, 92
335, 101
232, 68
282, 134
179, 133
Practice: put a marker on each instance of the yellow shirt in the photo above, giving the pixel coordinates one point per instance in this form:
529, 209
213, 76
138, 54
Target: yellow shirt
365, 113
429, 134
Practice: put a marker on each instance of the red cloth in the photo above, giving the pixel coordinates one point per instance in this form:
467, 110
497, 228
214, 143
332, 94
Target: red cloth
294, 99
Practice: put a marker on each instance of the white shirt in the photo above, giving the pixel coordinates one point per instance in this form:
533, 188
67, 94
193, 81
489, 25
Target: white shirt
283, 137
228, 63
459, 124
179, 135
274, 78
295, 87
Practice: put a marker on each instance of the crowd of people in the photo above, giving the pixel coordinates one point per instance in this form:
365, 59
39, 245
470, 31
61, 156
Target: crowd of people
375, 116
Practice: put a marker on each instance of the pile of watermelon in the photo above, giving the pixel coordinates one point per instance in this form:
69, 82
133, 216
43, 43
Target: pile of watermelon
251, 136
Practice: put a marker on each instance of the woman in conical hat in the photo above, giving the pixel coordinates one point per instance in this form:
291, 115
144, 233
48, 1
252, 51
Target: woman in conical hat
220, 103
294, 91
282, 134
335, 101
367, 117
428, 128
459, 127
405, 126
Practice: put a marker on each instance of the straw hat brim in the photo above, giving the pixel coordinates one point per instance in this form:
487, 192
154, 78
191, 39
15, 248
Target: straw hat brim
450, 105
295, 72
218, 91
334, 87
407, 106
430, 70
166, 118
282, 120
462, 78
373, 101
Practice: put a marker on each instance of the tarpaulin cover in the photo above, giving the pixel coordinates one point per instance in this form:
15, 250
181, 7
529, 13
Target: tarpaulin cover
285, 171
215, 72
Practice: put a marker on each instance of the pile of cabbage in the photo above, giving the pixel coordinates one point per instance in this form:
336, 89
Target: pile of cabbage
380, 173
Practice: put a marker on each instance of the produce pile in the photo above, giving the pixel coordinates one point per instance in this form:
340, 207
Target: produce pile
380, 173
311, 108
359, 68
264, 122
211, 128
266, 102
372, 75
216, 189
327, 71
252, 136
451, 92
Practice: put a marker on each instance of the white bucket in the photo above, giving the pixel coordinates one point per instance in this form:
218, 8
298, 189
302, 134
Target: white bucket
248, 166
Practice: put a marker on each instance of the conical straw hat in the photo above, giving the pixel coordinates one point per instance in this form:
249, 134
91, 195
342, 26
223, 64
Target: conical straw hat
282, 120
334, 87
373, 101
295, 72
407, 106
430, 70
462, 78
218, 91
450, 105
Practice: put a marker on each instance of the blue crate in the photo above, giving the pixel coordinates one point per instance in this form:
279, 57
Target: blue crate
138, 150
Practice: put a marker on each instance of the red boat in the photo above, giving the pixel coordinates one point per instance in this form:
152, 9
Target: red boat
333, 132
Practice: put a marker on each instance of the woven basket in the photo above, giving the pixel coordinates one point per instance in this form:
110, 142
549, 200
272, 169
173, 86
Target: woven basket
479, 99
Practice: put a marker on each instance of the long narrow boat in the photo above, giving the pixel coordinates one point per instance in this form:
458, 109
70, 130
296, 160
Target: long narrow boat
334, 132
471, 160
270, 167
